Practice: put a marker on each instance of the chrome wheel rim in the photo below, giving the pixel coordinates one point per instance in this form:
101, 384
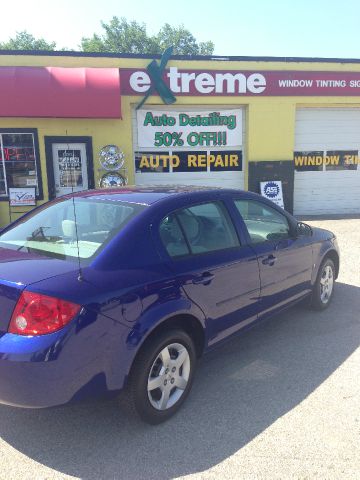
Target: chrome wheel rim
326, 284
169, 376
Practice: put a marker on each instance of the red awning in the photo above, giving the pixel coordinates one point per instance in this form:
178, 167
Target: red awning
60, 92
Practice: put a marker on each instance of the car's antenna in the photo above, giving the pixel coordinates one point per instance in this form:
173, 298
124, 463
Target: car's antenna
73, 178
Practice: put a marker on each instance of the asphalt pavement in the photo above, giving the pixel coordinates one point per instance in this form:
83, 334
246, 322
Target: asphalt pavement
282, 401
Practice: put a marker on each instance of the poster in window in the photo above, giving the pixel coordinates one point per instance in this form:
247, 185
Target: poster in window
22, 197
70, 171
19, 161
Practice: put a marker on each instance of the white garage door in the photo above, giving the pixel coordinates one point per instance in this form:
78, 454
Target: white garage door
326, 156
189, 146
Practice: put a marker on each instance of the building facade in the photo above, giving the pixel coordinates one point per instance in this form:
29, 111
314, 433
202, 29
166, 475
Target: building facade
71, 121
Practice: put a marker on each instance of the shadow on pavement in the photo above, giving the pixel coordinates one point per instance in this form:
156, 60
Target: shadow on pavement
240, 390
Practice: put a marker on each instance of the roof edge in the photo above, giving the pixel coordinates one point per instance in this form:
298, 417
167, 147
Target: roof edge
215, 58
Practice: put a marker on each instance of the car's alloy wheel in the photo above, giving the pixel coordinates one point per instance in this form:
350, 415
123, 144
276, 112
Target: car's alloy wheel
169, 376
324, 287
326, 284
162, 375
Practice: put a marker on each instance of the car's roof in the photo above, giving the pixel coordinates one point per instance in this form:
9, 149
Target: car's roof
147, 195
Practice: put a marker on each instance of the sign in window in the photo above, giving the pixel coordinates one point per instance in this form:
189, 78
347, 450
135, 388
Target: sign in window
18, 167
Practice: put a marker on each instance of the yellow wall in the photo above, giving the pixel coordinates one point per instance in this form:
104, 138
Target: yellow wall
102, 132
270, 121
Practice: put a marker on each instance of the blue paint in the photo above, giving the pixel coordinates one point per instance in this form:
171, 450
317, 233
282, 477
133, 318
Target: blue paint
133, 286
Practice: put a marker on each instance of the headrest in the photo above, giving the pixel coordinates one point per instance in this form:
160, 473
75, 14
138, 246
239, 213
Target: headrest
68, 228
190, 224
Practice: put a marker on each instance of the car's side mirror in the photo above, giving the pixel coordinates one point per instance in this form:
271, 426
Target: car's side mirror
303, 230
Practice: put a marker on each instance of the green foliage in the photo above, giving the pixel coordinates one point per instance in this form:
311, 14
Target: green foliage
121, 36
25, 41
183, 41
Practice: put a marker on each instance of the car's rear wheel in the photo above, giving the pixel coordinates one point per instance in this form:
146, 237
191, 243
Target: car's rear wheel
162, 376
323, 290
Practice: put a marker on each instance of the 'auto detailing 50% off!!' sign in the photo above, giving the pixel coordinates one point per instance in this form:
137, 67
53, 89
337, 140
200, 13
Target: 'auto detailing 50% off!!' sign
192, 130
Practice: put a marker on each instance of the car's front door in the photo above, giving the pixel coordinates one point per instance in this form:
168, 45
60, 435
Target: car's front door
285, 261
217, 273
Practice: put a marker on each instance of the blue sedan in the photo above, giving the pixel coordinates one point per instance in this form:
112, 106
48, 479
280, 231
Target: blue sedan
125, 289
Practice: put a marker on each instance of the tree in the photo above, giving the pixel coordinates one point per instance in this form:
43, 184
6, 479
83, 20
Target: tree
121, 36
25, 41
183, 41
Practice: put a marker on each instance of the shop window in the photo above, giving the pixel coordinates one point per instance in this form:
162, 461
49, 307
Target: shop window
18, 157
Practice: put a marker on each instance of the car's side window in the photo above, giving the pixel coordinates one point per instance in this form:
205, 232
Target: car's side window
263, 222
172, 237
208, 227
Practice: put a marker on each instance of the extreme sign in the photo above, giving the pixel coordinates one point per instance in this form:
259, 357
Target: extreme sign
243, 83
202, 128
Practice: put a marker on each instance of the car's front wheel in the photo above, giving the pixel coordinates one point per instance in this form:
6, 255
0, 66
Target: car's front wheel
323, 290
162, 376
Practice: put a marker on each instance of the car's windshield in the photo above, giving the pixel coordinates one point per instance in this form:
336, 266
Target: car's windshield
53, 232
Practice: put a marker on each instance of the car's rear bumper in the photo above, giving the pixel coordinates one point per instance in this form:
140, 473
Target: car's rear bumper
29, 376
59, 368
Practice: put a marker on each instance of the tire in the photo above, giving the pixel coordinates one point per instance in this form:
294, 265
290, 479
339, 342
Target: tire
323, 290
164, 368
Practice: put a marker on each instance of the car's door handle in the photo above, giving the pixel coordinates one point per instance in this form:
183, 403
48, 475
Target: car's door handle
205, 278
269, 260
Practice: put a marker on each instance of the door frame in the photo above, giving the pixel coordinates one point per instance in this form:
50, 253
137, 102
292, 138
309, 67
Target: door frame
49, 141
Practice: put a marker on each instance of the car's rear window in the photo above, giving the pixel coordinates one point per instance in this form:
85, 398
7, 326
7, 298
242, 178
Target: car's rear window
53, 232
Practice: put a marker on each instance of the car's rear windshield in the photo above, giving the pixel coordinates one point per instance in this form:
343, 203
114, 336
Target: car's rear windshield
52, 231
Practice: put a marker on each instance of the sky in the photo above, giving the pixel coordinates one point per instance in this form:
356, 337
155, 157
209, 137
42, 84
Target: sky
293, 28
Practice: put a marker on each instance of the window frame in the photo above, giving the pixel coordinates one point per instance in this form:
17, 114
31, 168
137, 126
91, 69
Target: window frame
197, 254
34, 133
49, 140
266, 205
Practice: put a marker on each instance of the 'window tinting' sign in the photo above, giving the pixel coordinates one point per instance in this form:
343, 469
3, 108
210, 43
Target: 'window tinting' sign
326, 160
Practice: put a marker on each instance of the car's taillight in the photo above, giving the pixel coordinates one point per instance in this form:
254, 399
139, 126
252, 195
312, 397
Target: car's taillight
37, 314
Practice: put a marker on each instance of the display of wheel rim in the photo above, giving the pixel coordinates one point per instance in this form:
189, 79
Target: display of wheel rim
111, 158
169, 376
112, 180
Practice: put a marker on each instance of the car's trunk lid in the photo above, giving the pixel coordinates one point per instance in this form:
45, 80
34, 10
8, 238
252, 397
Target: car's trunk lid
20, 269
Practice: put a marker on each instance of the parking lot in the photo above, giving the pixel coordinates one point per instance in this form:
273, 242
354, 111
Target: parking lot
281, 401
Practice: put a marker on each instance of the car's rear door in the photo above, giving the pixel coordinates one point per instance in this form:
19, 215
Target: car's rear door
217, 271
285, 261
